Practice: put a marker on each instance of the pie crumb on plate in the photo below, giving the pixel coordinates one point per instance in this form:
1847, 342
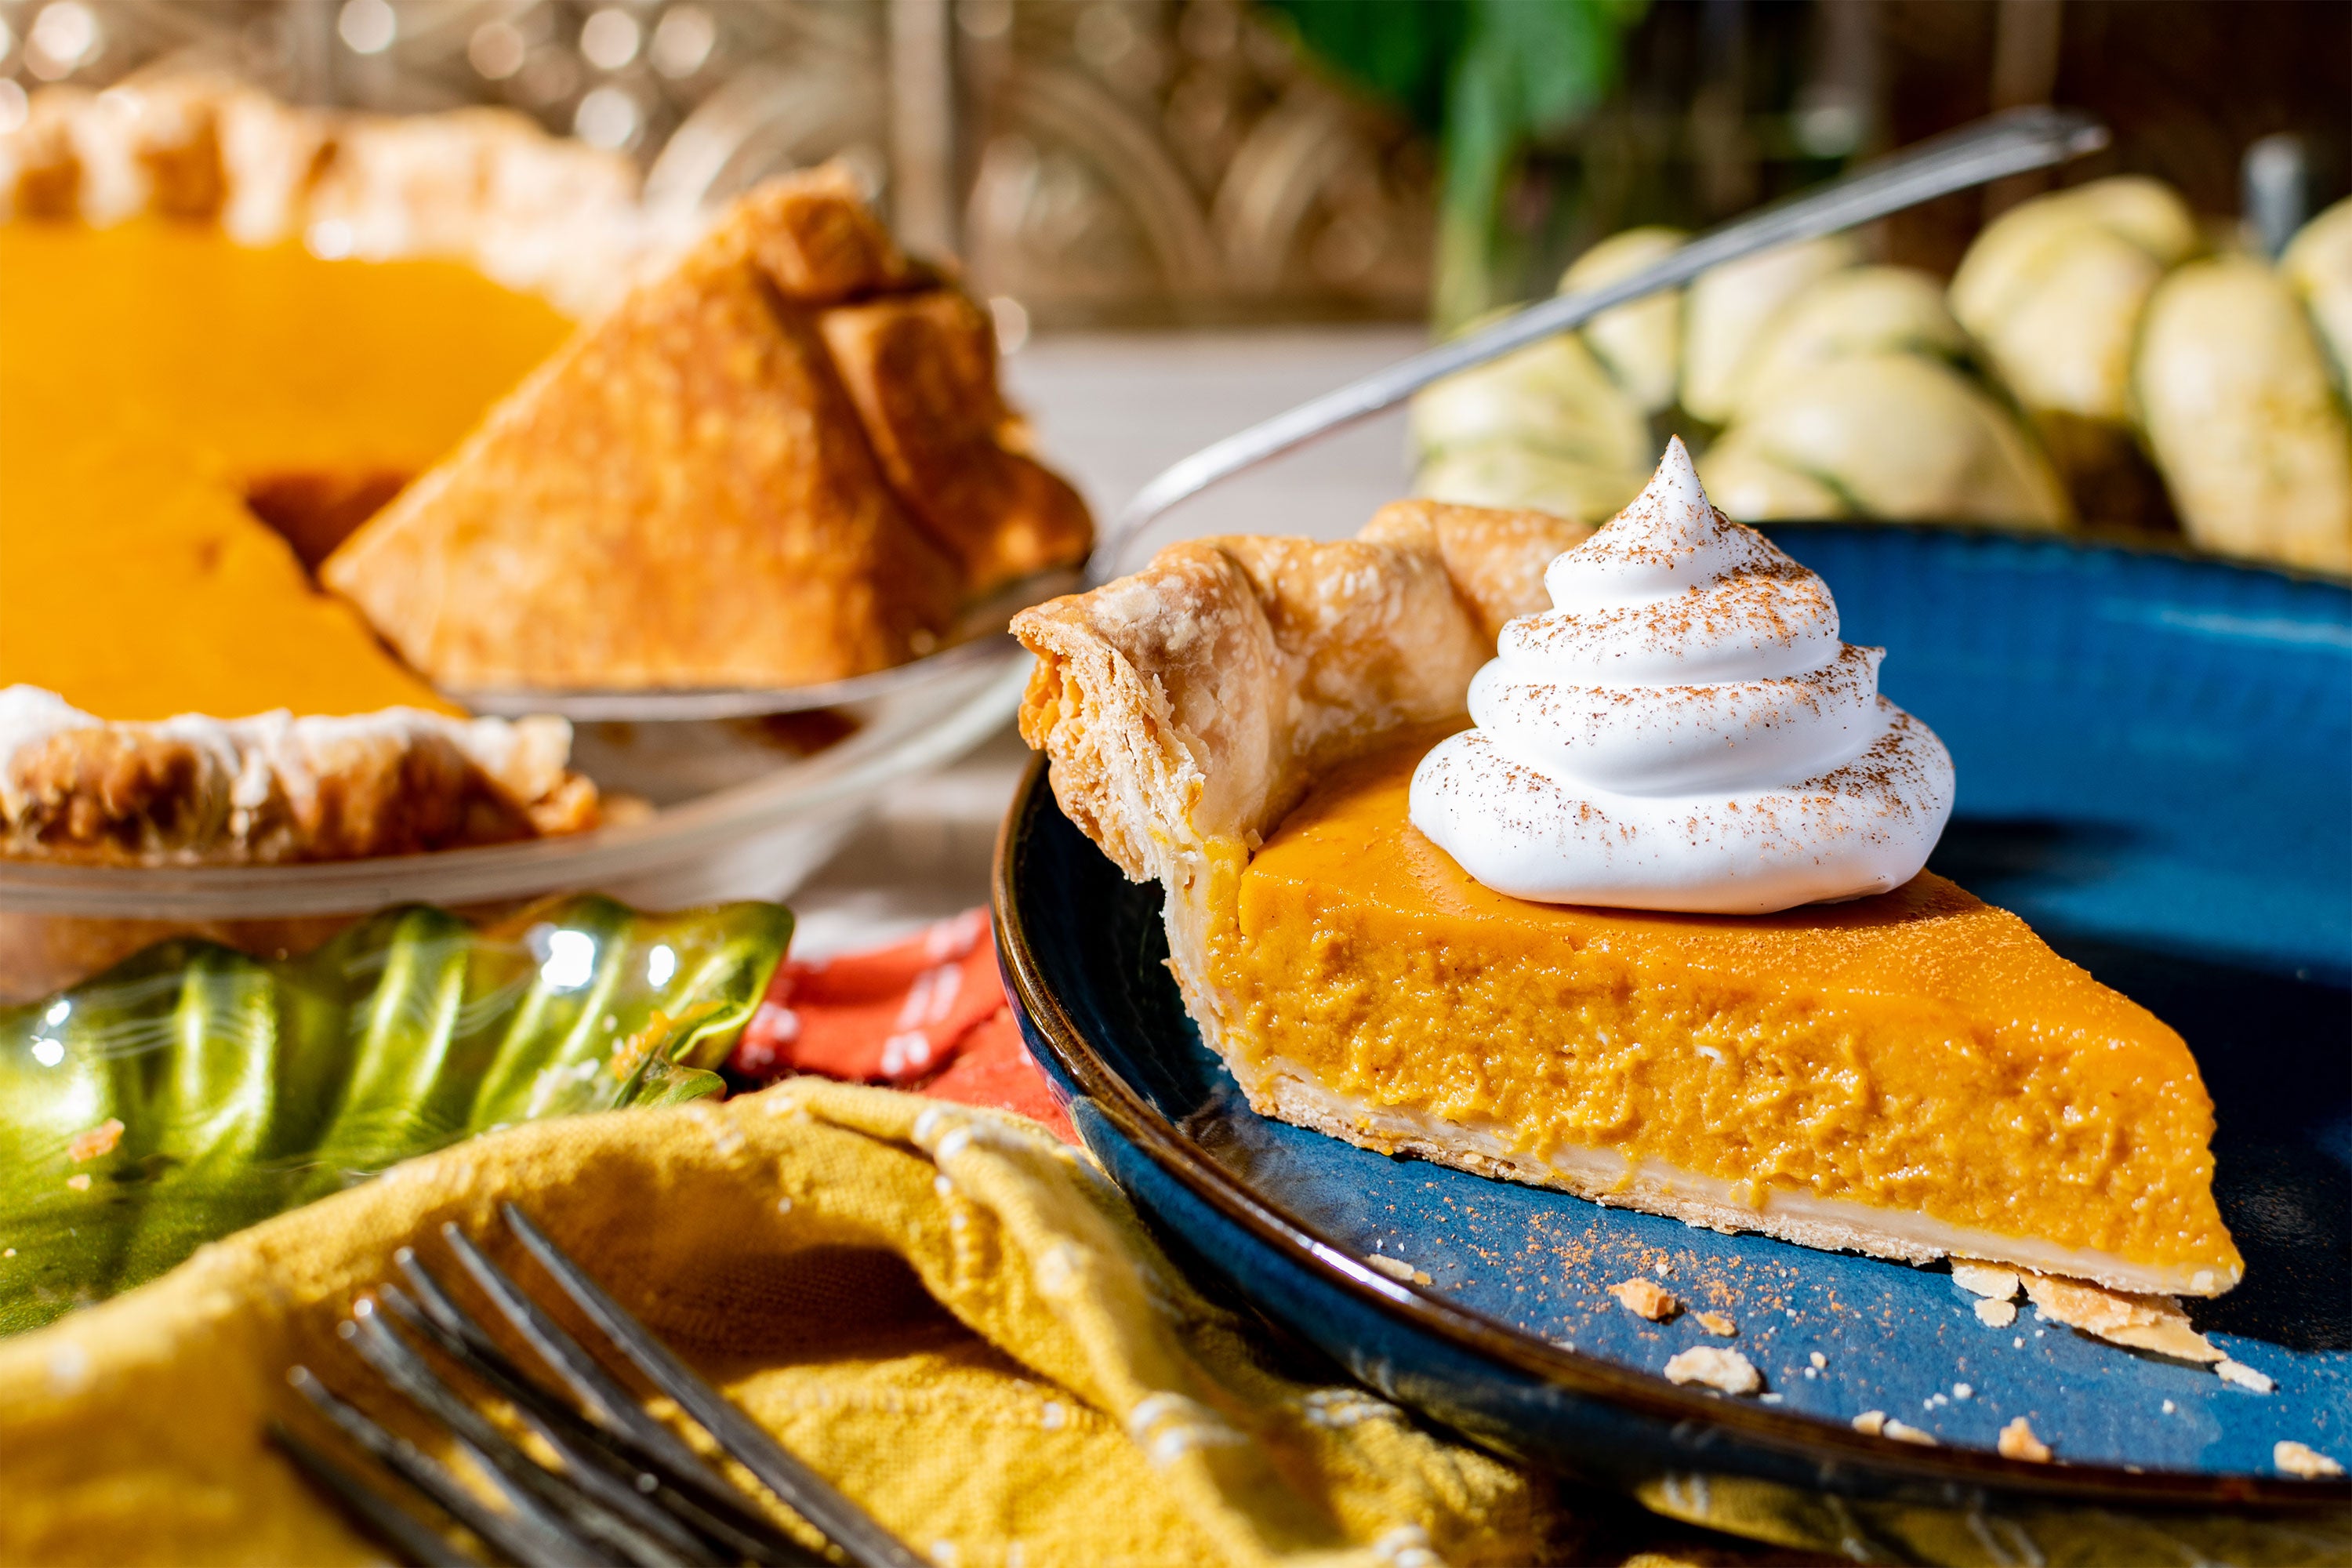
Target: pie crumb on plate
2017, 1442
2301, 1460
2144, 1323
1711, 1366
2244, 1376
1989, 1280
1397, 1268
1645, 1299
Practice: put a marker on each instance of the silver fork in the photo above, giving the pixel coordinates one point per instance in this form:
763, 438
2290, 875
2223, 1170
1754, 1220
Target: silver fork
626, 1489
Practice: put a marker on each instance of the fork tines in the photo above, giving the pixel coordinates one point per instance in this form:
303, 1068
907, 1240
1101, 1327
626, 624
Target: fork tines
625, 1490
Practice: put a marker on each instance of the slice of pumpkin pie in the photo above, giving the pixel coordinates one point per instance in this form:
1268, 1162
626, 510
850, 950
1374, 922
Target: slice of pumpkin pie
1275, 729
782, 460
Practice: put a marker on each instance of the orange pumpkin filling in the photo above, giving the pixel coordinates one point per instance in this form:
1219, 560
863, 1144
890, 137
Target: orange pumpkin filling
159, 385
1919, 1053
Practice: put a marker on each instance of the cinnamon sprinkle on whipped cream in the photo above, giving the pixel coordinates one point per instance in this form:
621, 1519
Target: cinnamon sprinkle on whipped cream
1684, 730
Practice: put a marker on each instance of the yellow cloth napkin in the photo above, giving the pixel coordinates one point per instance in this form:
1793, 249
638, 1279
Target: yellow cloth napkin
953, 1316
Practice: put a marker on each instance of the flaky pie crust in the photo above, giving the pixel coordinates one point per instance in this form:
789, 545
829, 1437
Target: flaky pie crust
780, 461
276, 789
1187, 708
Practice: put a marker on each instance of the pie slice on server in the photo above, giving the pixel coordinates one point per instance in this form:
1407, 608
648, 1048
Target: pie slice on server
782, 460
1911, 1075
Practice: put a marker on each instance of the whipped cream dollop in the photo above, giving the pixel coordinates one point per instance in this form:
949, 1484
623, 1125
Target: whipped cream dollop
1684, 730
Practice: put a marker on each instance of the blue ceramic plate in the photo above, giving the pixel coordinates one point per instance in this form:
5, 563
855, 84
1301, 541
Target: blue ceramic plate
2155, 770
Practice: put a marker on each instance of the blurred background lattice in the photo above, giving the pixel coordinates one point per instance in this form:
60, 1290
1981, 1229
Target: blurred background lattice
1140, 161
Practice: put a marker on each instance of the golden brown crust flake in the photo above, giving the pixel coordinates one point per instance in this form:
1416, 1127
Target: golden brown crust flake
814, 236
2144, 1322
1645, 1298
921, 371
680, 497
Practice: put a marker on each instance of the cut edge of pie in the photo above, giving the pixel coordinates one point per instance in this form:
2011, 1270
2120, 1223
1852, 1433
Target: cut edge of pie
1188, 709
1708, 1202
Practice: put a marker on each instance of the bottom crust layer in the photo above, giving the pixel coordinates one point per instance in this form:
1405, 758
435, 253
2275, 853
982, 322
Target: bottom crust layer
1282, 1089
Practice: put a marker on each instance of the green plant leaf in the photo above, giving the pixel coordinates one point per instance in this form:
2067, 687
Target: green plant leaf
1400, 51
244, 1087
1485, 77
1526, 69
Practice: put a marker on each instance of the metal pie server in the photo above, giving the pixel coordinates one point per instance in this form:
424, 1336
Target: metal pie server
2007, 144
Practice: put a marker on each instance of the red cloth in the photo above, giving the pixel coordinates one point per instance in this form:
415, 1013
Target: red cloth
928, 1014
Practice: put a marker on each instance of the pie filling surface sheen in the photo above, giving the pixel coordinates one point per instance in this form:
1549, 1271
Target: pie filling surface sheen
1920, 1050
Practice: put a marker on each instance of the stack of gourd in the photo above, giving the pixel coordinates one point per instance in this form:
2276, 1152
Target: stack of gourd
2095, 359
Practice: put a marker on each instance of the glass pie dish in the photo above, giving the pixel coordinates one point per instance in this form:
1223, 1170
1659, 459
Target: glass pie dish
731, 809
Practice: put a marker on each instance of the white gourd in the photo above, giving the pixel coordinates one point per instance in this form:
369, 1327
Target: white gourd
1512, 474
1896, 435
1745, 481
2318, 267
1846, 390
1552, 398
1729, 307
1863, 309
2235, 401
2054, 288
1640, 344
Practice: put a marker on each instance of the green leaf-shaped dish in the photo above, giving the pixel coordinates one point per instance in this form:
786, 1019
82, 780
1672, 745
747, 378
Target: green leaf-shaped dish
198, 1090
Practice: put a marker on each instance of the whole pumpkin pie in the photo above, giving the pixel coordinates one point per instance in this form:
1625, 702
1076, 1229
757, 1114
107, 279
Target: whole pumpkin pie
525, 436
1911, 1073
